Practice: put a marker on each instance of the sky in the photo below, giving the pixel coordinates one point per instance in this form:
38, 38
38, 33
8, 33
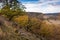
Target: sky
44, 6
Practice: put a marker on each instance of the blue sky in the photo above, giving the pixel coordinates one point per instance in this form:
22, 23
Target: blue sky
44, 6
28, 0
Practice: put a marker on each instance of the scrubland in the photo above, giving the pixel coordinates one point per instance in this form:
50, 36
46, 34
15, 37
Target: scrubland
27, 28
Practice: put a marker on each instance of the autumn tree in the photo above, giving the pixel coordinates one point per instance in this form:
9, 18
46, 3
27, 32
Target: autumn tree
12, 8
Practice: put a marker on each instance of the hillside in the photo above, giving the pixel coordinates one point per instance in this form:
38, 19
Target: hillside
8, 30
17, 24
53, 16
31, 29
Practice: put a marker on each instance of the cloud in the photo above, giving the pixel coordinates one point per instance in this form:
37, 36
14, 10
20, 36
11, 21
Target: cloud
51, 2
31, 7
0, 5
45, 6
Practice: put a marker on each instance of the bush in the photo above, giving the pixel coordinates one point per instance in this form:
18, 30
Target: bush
34, 24
46, 30
22, 20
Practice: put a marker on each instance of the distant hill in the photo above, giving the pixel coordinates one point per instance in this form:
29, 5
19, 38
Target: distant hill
52, 14
35, 14
42, 15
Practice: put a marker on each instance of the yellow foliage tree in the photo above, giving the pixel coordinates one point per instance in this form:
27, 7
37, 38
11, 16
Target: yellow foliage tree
34, 24
22, 20
46, 30
10, 13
